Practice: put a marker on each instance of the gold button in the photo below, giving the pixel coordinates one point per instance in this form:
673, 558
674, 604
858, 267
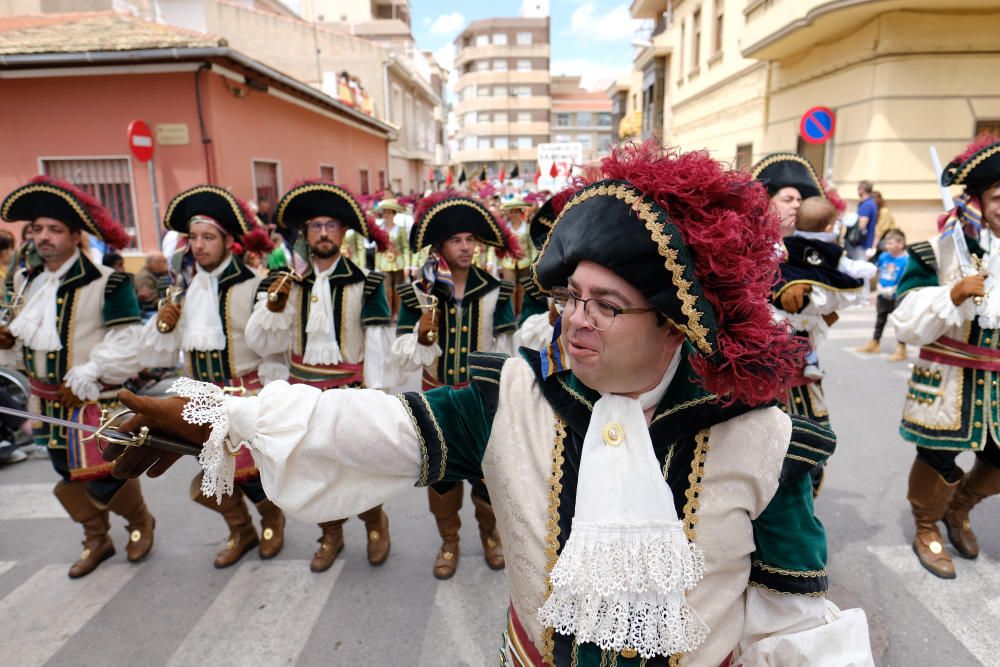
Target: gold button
465, 349
628, 653
59, 300
452, 330
798, 400
935, 547
464, 328
134, 536
980, 382
51, 355
451, 350
55, 404
988, 341
315, 298
231, 543
215, 355
85, 555
201, 355
53, 442
979, 401
491, 543
51, 375
447, 555
978, 424
452, 311
374, 536
451, 371
462, 369
268, 533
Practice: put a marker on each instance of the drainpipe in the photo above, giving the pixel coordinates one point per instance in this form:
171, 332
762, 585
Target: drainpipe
206, 142
385, 114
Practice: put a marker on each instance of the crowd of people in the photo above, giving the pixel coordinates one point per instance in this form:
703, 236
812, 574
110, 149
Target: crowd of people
581, 355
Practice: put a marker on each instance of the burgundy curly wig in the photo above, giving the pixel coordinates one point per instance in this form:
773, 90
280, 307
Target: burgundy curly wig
725, 220
112, 233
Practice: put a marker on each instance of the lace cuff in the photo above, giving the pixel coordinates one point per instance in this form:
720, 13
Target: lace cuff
82, 381
411, 355
206, 405
952, 315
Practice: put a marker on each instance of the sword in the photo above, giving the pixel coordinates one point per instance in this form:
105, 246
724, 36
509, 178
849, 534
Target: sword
107, 431
967, 264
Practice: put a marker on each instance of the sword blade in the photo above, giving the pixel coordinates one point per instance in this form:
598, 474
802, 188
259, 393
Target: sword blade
155, 441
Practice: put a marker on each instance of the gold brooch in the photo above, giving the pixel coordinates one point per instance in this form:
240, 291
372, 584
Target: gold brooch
614, 434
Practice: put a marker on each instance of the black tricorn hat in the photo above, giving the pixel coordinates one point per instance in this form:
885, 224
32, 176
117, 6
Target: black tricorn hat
312, 199
977, 168
213, 202
644, 245
541, 223
442, 215
783, 170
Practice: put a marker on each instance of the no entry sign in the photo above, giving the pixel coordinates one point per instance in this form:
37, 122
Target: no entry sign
817, 125
140, 140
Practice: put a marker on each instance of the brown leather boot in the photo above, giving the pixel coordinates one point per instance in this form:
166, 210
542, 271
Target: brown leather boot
242, 534
377, 527
129, 504
929, 496
272, 527
981, 482
445, 508
331, 543
899, 354
871, 347
492, 549
97, 546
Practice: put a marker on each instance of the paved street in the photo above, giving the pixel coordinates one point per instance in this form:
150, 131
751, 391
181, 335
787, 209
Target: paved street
176, 609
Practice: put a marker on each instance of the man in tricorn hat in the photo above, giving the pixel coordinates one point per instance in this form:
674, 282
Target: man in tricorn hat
454, 310
950, 305
219, 295
76, 336
654, 505
333, 322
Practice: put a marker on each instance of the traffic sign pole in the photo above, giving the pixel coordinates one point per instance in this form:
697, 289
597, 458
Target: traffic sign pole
140, 142
156, 205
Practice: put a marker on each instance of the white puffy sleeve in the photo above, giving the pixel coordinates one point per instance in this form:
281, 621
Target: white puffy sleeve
113, 360
380, 371
158, 349
802, 631
409, 355
270, 333
535, 333
927, 313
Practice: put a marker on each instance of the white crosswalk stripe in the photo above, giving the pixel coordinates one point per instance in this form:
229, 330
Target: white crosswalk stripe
6, 565
974, 593
263, 616
48, 609
29, 501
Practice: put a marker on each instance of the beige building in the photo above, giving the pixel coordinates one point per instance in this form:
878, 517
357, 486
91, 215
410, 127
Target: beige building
580, 115
736, 76
503, 97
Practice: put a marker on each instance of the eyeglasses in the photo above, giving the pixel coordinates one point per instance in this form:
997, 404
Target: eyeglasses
330, 226
599, 313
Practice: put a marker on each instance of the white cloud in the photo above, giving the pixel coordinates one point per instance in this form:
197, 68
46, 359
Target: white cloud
616, 25
593, 75
445, 55
448, 24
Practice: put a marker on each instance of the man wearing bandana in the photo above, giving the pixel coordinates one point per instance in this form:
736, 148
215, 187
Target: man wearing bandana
951, 307
654, 504
333, 322
209, 329
457, 309
76, 337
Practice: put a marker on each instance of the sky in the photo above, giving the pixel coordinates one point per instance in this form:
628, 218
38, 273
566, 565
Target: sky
591, 38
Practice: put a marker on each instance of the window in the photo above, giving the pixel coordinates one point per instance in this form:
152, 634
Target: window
500, 91
482, 65
328, 173
482, 40
717, 34
696, 40
500, 117
471, 118
363, 178
744, 155
265, 182
500, 65
523, 65
523, 116
815, 153
562, 120
483, 91
469, 143
501, 142
585, 118
484, 117
484, 142
585, 139
561, 138
680, 51
523, 38
521, 91
524, 142
381, 180
604, 119
604, 143
107, 179
500, 39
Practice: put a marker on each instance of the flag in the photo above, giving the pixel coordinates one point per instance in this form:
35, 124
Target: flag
448, 179
538, 174
430, 174
553, 170
482, 174
461, 176
515, 172
503, 176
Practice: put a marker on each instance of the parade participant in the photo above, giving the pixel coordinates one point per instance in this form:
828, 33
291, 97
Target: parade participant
76, 336
952, 309
652, 504
456, 309
333, 322
516, 269
209, 330
538, 311
393, 261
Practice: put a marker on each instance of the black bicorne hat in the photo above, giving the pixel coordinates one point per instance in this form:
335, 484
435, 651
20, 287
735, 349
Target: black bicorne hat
541, 223
320, 198
783, 170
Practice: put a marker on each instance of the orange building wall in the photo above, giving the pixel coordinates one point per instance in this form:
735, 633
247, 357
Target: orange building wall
87, 116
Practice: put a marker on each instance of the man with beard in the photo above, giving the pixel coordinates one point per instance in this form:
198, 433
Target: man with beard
950, 305
76, 337
456, 309
209, 330
333, 322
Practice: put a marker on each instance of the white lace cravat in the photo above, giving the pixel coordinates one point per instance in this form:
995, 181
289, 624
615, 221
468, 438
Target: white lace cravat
321, 344
621, 578
35, 325
201, 323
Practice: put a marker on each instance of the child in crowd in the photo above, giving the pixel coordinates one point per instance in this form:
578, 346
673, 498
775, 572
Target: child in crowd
891, 263
832, 280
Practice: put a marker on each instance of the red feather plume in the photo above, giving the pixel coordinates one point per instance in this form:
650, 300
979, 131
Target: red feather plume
833, 196
979, 143
430, 201
725, 220
258, 241
377, 234
112, 233
512, 247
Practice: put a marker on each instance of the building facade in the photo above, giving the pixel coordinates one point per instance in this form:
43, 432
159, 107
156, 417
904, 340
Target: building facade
503, 95
736, 77
581, 116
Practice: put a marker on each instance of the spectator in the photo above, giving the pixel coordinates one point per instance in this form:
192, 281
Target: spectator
890, 269
151, 283
114, 261
886, 221
867, 222
6, 252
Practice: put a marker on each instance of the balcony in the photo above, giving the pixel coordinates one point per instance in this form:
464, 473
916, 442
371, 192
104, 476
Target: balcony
508, 51
776, 29
512, 77
494, 154
505, 129
648, 9
504, 104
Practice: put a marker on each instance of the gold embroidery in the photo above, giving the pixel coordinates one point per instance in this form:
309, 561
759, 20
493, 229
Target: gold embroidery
675, 660
575, 394
817, 594
788, 157
975, 162
424, 455
498, 242
214, 190
801, 458
808, 448
325, 187
440, 435
683, 406
791, 573
575, 658
59, 192
694, 484
552, 529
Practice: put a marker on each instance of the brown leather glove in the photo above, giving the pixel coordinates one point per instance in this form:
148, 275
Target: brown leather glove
160, 415
7, 339
68, 399
831, 319
427, 327
970, 286
794, 296
277, 295
167, 318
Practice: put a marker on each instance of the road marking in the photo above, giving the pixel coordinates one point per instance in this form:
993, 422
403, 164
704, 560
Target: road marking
48, 609
972, 594
6, 565
263, 616
29, 501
